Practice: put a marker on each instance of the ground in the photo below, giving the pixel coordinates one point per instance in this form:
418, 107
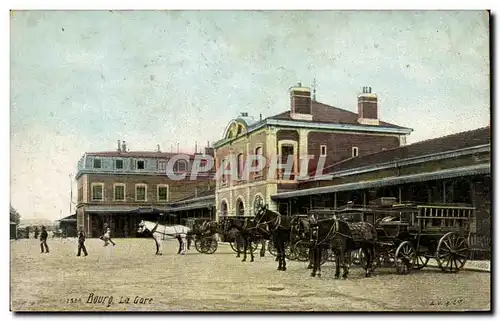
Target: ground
220, 281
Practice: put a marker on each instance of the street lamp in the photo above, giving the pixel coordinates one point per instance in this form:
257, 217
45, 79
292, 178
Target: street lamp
71, 192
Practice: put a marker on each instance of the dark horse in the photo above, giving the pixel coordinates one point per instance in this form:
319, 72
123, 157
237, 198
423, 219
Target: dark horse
245, 234
279, 228
343, 238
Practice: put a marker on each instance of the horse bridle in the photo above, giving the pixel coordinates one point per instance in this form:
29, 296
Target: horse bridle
277, 219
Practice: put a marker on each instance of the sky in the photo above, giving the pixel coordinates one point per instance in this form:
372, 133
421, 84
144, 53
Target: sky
81, 80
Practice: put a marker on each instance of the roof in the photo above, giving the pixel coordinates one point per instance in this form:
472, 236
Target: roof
196, 196
323, 113
137, 154
477, 137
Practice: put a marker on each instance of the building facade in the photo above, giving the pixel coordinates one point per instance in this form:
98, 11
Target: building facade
122, 187
308, 129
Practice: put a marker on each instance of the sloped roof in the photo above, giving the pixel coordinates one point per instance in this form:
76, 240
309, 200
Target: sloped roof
323, 113
198, 195
471, 138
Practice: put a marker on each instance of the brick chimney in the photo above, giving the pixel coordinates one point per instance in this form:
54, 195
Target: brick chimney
367, 107
300, 99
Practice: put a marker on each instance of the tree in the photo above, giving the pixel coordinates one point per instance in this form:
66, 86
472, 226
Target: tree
14, 215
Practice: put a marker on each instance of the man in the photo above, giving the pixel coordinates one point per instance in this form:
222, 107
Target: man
36, 232
81, 242
43, 240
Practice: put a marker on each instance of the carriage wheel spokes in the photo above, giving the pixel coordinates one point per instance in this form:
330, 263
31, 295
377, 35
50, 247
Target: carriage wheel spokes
210, 245
271, 248
452, 252
234, 246
198, 245
301, 250
421, 261
404, 257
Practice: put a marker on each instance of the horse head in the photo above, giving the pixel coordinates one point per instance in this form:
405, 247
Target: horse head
141, 228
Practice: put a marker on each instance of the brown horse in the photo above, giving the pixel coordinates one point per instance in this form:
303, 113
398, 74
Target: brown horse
342, 238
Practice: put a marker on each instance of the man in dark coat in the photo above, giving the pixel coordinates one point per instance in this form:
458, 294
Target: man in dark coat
43, 240
36, 232
81, 242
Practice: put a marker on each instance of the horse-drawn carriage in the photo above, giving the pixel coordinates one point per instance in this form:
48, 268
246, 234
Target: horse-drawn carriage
409, 235
204, 241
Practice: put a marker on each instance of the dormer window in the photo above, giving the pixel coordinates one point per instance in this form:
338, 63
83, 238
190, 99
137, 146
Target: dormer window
119, 164
97, 163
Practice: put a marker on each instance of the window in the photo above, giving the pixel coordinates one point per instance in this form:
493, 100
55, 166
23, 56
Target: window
180, 165
140, 192
162, 193
323, 150
355, 152
258, 151
97, 191
240, 165
97, 163
119, 164
119, 192
140, 164
162, 165
286, 151
224, 167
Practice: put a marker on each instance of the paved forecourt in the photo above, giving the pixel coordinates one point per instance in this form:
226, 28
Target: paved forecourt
136, 279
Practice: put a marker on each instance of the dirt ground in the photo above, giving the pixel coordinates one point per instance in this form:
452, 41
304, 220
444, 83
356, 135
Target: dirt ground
218, 282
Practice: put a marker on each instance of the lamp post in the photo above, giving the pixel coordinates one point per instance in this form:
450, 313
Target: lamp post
71, 192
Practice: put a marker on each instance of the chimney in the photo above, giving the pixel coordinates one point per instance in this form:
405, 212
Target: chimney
196, 147
124, 146
300, 100
367, 107
118, 149
244, 114
158, 148
260, 117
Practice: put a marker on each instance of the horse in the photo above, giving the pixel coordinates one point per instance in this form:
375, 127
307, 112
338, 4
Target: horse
244, 235
279, 228
158, 231
343, 238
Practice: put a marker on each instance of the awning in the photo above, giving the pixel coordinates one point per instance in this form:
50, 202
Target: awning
395, 180
67, 220
192, 207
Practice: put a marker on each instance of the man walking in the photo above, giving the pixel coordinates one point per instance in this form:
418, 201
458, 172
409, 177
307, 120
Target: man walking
81, 242
107, 235
43, 240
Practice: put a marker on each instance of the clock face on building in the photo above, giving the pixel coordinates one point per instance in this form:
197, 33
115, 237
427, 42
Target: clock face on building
258, 203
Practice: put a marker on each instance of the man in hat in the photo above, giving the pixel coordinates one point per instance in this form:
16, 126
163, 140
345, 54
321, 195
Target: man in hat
81, 242
43, 240
107, 231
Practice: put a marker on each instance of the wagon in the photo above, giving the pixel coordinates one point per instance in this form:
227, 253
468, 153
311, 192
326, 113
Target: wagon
409, 235
228, 237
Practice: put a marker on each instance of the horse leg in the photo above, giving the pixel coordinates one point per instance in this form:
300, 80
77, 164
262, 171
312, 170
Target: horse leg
245, 247
180, 245
263, 248
279, 252
249, 242
237, 242
369, 258
337, 263
311, 257
160, 245
318, 260
157, 246
345, 262
314, 251
183, 245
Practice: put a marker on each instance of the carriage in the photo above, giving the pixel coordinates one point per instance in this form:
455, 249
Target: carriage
409, 235
229, 237
203, 243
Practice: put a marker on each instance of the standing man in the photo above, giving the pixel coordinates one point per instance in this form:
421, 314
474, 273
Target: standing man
81, 242
36, 232
43, 240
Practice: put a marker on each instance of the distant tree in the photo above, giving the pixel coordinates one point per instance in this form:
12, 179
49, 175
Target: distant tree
14, 215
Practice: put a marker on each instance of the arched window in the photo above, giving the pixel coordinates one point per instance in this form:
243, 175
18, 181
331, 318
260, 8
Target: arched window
240, 208
223, 208
258, 151
241, 165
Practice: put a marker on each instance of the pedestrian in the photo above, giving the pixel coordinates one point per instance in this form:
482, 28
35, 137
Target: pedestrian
36, 232
106, 237
81, 242
43, 240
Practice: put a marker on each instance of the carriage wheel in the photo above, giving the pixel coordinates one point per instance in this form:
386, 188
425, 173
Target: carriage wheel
253, 246
404, 257
198, 245
209, 245
452, 252
357, 257
271, 248
301, 250
290, 252
421, 261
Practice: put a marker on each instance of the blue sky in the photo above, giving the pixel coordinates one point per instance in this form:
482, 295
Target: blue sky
80, 80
